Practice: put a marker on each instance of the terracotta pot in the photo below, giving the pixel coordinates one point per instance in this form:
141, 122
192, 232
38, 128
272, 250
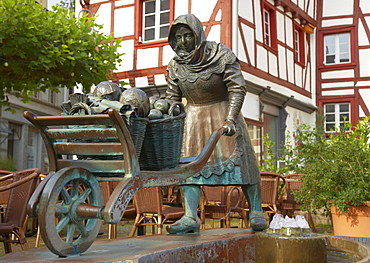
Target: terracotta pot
354, 224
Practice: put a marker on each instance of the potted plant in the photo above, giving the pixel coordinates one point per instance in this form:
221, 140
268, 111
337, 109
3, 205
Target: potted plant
336, 173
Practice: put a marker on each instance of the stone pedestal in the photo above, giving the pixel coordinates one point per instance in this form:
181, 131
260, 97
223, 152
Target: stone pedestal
212, 245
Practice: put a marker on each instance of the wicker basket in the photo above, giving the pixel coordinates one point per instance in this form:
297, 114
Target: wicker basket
137, 128
163, 140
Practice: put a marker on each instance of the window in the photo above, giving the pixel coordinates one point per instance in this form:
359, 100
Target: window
337, 48
51, 97
269, 25
335, 115
299, 53
255, 134
156, 20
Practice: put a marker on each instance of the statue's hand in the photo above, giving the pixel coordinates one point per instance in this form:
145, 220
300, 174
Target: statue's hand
229, 126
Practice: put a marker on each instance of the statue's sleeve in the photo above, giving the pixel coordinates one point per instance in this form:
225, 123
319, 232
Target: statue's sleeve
173, 91
236, 87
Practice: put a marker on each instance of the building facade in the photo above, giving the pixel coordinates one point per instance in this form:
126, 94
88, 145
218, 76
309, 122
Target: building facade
19, 140
273, 39
343, 61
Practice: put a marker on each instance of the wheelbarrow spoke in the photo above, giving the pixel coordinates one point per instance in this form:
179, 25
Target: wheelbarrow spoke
85, 194
75, 187
61, 210
65, 196
82, 228
62, 223
70, 233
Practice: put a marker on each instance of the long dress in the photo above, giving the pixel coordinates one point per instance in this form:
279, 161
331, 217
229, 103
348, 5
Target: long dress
206, 78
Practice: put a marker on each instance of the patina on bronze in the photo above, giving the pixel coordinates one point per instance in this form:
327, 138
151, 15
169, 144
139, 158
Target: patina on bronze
64, 214
208, 75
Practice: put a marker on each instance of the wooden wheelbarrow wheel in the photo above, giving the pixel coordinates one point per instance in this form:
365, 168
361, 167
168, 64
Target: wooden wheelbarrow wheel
64, 230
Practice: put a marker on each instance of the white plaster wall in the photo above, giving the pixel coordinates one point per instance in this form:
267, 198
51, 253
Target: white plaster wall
277, 88
147, 58
307, 79
289, 31
203, 9
349, 73
262, 58
336, 22
363, 83
168, 54
273, 66
364, 56
123, 18
103, 17
181, 7
362, 37
338, 92
282, 62
160, 79
214, 34
298, 76
297, 118
342, 7
311, 9
280, 27
290, 64
301, 4
123, 2
365, 94
127, 47
337, 84
141, 82
249, 40
246, 10
365, 6
241, 52
251, 106
258, 21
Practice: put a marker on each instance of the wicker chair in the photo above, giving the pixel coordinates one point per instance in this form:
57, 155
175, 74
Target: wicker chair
289, 205
130, 212
223, 203
150, 210
11, 229
272, 185
6, 177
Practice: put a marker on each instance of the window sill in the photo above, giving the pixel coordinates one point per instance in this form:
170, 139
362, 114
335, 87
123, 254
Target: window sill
157, 43
323, 67
300, 63
270, 48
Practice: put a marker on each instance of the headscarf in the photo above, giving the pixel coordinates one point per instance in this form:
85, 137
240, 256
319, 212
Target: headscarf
206, 59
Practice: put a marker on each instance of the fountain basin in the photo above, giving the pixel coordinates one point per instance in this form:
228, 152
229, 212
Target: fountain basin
275, 247
211, 245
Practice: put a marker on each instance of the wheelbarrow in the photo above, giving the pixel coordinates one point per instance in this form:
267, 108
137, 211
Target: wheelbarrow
69, 202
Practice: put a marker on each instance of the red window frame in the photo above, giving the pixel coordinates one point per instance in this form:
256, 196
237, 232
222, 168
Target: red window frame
266, 6
299, 44
348, 99
321, 48
139, 26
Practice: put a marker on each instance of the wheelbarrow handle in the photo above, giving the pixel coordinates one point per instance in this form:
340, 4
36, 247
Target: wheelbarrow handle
125, 190
174, 176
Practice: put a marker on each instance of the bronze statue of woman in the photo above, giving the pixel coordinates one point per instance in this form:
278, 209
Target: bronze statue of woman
208, 75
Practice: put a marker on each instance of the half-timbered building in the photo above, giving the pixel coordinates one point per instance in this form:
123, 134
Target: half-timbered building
273, 39
343, 61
